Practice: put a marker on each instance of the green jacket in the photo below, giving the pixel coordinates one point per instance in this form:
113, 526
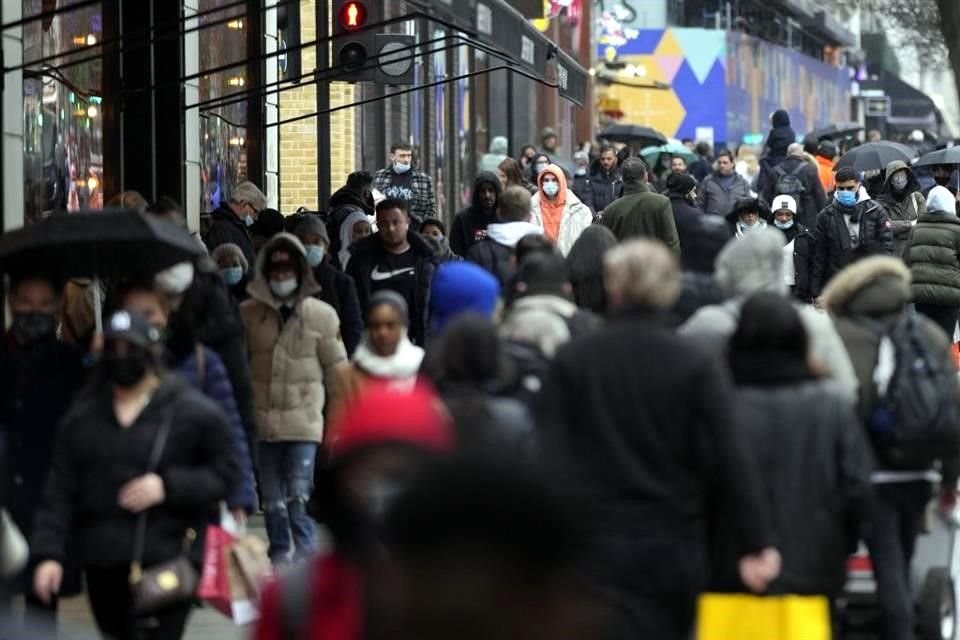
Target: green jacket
933, 255
642, 213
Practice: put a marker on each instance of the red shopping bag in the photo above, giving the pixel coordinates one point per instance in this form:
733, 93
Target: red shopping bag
214, 586
233, 571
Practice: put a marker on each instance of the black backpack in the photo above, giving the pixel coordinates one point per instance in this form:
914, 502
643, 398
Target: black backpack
789, 183
915, 422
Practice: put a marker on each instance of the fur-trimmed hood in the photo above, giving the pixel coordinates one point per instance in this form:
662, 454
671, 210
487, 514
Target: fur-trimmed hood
876, 286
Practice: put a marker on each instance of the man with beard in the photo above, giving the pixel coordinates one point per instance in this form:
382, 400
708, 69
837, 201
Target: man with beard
470, 225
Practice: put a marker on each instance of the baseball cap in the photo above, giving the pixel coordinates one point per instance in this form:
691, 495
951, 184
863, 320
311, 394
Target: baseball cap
785, 202
132, 327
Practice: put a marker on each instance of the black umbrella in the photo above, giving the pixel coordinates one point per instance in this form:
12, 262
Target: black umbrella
943, 156
109, 244
875, 156
633, 134
835, 131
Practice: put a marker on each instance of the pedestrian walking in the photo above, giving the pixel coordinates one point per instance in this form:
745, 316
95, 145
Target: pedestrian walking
582, 187
798, 427
397, 259
798, 251
435, 233
356, 196
470, 225
585, 266
557, 210
640, 212
511, 174
755, 264
337, 289
269, 223
402, 181
798, 178
701, 168
202, 368
386, 356
233, 268
720, 190
632, 463
40, 376
297, 360
527, 153
495, 253
461, 287
605, 179
537, 165
904, 202
698, 288
498, 152
356, 226
848, 229
869, 301
749, 215
780, 138
231, 221
382, 441
933, 254
684, 201
137, 441
826, 158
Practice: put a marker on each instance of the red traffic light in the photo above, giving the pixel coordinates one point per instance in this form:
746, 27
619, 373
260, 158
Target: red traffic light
353, 15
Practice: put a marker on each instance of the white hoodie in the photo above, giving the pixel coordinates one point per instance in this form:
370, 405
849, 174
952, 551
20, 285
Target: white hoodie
941, 201
509, 233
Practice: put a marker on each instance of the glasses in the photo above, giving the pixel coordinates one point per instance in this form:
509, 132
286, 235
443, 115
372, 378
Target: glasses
848, 188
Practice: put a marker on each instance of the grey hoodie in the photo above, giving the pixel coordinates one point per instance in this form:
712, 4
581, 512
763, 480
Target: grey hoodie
754, 264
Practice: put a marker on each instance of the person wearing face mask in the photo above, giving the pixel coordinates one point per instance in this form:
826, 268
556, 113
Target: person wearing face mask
749, 215
539, 162
232, 267
435, 232
798, 250
382, 442
903, 201
944, 175
401, 181
582, 186
848, 229
39, 376
470, 225
558, 210
232, 220
101, 480
682, 192
297, 361
336, 288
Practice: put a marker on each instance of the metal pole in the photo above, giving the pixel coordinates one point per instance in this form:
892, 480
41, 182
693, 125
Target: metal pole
323, 104
511, 143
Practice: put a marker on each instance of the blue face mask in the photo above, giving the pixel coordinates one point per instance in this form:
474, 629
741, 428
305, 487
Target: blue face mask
783, 225
846, 199
248, 220
400, 167
314, 254
231, 275
551, 188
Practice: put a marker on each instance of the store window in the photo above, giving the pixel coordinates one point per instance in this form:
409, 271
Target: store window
63, 128
223, 92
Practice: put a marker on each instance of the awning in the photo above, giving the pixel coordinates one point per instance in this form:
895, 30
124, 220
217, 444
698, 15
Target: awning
906, 101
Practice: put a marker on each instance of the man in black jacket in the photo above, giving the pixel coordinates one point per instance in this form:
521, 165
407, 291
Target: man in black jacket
495, 252
652, 462
798, 178
355, 195
848, 229
605, 180
682, 191
336, 288
398, 259
470, 225
231, 221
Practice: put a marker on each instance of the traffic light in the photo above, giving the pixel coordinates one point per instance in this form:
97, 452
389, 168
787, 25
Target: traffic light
354, 41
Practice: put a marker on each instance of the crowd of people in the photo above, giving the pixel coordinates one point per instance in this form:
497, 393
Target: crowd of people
600, 394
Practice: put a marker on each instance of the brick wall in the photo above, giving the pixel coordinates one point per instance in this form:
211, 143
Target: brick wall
298, 140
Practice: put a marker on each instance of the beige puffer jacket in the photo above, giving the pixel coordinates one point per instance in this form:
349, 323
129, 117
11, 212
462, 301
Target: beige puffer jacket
295, 366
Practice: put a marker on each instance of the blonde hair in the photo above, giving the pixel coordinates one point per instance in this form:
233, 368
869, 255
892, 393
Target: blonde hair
643, 273
128, 200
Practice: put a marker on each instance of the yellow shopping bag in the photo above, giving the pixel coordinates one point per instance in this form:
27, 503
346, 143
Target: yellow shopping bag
723, 616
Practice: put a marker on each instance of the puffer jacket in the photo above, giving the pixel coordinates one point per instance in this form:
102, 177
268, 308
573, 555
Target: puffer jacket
933, 255
833, 250
903, 207
295, 365
719, 200
605, 187
546, 322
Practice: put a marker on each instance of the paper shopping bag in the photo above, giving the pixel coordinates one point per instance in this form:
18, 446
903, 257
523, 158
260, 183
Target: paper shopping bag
747, 617
214, 588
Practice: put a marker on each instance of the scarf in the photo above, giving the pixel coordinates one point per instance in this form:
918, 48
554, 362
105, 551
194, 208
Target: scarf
403, 364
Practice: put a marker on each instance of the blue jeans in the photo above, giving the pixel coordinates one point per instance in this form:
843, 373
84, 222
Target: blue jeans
286, 480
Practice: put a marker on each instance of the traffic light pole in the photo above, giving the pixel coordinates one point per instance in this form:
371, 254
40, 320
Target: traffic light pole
323, 104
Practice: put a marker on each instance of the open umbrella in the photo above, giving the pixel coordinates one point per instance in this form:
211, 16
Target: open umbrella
633, 134
943, 156
875, 156
652, 154
835, 131
107, 244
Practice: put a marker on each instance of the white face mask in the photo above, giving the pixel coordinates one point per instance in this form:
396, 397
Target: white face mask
283, 288
176, 279
400, 168
551, 188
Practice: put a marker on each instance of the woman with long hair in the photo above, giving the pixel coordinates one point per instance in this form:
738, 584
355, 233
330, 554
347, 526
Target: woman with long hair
511, 175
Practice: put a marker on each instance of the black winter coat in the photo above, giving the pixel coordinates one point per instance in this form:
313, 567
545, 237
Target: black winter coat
95, 457
664, 447
687, 217
814, 462
495, 258
813, 199
470, 225
367, 252
804, 246
697, 290
227, 228
833, 251
605, 187
340, 291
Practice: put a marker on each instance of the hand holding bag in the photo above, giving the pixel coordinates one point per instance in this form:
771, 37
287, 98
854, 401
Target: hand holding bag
168, 583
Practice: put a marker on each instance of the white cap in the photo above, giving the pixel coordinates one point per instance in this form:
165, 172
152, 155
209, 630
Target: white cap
785, 202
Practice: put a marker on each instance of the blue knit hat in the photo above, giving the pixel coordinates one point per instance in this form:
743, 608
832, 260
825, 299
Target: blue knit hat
459, 287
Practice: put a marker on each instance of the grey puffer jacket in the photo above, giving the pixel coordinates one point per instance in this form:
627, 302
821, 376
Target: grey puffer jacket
719, 200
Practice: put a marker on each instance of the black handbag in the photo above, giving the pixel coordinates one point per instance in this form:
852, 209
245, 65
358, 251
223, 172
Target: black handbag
168, 583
